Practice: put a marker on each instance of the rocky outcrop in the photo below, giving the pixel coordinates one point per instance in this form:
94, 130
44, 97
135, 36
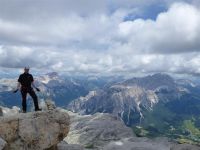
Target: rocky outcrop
96, 130
9, 111
46, 130
34, 130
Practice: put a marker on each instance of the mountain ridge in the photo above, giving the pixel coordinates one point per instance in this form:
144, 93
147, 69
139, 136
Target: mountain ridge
129, 96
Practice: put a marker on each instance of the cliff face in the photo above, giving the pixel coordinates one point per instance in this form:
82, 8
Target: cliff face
34, 130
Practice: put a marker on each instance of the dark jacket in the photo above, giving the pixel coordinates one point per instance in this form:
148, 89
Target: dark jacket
25, 80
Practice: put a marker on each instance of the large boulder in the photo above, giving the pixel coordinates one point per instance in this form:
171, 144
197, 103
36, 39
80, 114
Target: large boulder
34, 130
93, 131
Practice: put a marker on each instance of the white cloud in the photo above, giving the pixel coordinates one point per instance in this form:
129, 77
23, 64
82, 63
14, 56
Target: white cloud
174, 31
93, 37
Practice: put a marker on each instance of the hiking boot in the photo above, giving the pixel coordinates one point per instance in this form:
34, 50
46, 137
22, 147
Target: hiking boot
23, 111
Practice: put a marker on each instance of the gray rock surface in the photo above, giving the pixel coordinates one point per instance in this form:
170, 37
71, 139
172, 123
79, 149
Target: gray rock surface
106, 132
96, 130
46, 130
140, 144
2, 144
34, 130
185, 147
148, 144
10, 111
64, 146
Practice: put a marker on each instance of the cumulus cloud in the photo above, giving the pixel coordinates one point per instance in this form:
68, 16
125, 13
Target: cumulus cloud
174, 31
100, 37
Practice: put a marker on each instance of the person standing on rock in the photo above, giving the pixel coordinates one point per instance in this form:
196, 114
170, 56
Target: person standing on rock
26, 85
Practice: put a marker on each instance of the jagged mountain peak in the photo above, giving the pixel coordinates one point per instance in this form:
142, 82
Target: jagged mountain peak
151, 82
52, 74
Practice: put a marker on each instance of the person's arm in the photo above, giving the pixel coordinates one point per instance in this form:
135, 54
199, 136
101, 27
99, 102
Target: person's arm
18, 84
18, 87
33, 85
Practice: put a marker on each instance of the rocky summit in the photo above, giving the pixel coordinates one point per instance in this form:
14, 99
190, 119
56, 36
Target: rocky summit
103, 131
53, 130
96, 130
33, 130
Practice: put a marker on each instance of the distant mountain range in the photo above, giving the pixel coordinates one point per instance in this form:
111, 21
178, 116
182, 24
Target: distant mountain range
129, 98
61, 89
154, 105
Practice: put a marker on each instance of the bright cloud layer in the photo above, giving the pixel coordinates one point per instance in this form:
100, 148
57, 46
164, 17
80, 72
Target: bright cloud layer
101, 37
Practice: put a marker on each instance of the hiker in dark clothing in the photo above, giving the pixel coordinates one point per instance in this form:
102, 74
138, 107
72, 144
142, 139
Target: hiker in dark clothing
26, 85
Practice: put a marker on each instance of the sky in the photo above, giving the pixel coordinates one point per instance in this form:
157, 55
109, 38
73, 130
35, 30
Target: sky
101, 36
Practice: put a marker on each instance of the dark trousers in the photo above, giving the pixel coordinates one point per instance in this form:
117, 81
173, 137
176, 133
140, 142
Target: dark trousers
31, 92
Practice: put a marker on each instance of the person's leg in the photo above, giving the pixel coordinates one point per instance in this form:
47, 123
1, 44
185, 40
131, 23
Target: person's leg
24, 94
35, 99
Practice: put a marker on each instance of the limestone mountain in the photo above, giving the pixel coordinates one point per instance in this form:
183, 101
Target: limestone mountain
129, 98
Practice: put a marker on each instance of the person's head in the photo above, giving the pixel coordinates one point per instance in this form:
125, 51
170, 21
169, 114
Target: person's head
26, 69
